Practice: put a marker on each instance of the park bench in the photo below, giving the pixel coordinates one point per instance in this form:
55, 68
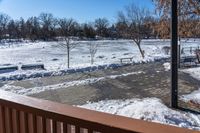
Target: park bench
127, 59
6, 69
33, 67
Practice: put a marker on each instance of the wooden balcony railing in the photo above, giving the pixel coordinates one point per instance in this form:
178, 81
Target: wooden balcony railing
21, 114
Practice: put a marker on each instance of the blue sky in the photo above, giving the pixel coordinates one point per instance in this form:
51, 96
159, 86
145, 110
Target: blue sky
81, 10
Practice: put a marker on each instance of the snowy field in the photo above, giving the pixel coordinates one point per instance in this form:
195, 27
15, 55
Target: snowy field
54, 57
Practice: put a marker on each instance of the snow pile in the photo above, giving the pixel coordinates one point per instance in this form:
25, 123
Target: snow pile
150, 109
28, 74
194, 72
167, 66
29, 91
194, 96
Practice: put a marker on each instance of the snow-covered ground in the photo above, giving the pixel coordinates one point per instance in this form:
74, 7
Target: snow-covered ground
54, 57
150, 109
195, 96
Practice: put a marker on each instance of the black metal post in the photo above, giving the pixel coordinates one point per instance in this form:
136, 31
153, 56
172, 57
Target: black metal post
174, 54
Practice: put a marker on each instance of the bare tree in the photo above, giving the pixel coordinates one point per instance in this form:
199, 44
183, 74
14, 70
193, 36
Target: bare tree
132, 19
88, 30
93, 47
4, 20
67, 26
101, 26
48, 24
32, 29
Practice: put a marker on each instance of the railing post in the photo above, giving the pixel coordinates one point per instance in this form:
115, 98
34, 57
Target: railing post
174, 54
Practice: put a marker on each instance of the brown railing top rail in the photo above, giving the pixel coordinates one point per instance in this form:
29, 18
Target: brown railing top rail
83, 117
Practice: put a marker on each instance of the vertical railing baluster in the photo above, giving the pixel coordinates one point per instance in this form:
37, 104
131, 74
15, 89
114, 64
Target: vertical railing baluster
69, 128
34, 122
59, 127
77, 129
8, 120
44, 125
82, 130
65, 127
39, 124
15, 121
54, 125
2, 120
26, 122
48, 126
90, 131
23, 122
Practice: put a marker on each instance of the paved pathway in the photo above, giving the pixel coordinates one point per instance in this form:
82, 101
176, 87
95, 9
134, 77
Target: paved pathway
154, 82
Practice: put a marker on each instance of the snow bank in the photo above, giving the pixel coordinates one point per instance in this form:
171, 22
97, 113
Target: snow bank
29, 91
194, 96
28, 74
150, 109
194, 72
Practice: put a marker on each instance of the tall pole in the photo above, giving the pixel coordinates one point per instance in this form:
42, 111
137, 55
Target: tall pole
174, 54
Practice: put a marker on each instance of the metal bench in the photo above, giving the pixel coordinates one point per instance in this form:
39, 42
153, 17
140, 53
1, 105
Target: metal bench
6, 69
33, 67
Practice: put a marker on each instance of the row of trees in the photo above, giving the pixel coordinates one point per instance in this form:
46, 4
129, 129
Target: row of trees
47, 27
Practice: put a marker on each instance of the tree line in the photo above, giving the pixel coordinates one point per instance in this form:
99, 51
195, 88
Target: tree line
132, 23
47, 27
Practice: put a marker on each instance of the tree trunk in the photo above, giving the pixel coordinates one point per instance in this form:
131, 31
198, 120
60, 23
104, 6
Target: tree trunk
141, 51
92, 60
68, 56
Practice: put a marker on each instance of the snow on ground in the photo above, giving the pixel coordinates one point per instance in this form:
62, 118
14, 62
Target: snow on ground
194, 72
194, 96
167, 66
29, 91
150, 109
55, 57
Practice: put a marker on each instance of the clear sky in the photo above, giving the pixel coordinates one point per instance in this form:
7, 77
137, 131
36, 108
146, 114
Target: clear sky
81, 10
